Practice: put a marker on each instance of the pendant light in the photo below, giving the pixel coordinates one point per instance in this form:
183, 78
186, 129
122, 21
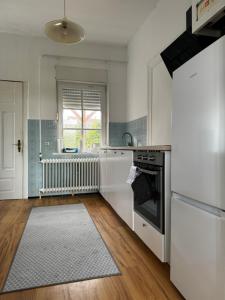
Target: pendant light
64, 30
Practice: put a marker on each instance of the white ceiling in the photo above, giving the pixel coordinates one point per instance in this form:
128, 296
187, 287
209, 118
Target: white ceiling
105, 21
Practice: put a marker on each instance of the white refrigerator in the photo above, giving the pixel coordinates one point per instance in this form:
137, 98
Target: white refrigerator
198, 176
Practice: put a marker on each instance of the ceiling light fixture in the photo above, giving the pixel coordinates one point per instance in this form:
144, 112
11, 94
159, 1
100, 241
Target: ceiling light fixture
64, 30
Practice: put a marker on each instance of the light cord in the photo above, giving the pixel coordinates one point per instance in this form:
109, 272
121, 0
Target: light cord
64, 8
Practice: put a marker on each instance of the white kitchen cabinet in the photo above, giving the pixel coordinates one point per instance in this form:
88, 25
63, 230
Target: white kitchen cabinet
150, 236
107, 177
123, 191
103, 173
111, 179
160, 103
114, 169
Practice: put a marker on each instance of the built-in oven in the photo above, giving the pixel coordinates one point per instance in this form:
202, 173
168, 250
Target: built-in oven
148, 187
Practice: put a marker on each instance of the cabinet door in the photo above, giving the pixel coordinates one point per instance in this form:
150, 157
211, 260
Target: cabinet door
109, 178
114, 174
150, 236
123, 192
103, 173
160, 84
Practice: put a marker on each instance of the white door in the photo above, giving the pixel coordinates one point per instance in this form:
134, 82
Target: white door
11, 159
197, 250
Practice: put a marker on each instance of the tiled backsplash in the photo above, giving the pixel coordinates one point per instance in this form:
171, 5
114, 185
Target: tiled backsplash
138, 129
48, 138
116, 131
49, 146
34, 166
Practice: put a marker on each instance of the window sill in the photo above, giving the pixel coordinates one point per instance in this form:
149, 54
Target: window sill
73, 154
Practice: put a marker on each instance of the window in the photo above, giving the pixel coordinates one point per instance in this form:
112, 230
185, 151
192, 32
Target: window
82, 119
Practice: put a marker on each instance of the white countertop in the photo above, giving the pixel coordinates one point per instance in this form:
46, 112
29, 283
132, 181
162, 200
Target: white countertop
133, 148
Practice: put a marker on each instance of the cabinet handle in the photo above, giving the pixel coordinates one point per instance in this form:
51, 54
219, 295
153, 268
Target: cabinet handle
122, 153
115, 152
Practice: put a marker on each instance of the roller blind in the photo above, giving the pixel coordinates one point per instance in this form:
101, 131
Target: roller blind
81, 74
82, 98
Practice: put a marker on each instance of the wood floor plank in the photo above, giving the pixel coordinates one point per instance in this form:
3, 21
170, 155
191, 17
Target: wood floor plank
143, 276
9, 240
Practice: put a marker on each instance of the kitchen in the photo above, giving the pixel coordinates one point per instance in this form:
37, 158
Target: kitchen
114, 132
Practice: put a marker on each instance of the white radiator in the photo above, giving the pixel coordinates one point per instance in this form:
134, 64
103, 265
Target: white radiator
77, 175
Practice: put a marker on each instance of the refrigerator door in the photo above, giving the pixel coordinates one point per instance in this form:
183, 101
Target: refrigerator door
198, 127
197, 251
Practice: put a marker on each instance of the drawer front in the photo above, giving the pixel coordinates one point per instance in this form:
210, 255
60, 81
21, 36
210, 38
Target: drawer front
150, 236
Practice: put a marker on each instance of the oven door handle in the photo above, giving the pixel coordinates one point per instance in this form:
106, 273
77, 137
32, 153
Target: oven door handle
148, 172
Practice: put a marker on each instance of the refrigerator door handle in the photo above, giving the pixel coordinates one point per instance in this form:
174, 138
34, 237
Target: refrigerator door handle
207, 208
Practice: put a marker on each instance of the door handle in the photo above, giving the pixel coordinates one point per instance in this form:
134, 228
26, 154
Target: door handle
19, 145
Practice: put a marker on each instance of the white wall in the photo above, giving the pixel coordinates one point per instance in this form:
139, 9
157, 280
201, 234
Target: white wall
112, 73
163, 26
21, 59
81, 74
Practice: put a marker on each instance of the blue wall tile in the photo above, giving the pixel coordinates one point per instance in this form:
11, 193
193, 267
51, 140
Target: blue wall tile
48, 138
34, 166
116, 131
138, 129
49, 146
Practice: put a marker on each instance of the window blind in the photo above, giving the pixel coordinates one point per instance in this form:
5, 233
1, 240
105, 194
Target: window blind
76, 98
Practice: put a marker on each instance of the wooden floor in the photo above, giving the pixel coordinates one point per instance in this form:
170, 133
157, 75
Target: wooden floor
143, 276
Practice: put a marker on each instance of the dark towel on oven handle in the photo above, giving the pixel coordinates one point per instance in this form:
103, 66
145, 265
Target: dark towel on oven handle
141, 188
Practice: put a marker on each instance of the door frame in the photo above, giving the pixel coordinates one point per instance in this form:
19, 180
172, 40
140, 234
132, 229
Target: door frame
25, 101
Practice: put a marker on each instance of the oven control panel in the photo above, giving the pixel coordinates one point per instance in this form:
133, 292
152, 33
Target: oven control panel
149, 157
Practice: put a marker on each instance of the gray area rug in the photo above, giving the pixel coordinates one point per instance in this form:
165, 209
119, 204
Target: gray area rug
60, 244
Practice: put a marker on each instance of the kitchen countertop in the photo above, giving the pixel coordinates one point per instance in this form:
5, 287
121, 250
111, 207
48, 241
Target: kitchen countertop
146, 148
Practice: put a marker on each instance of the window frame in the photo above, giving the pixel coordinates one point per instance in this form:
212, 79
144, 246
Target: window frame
79, 85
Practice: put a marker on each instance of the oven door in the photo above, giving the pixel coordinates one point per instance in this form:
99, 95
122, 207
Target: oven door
148, 196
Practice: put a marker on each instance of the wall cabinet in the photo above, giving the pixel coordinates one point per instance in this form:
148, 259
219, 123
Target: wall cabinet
160, 103
114, 169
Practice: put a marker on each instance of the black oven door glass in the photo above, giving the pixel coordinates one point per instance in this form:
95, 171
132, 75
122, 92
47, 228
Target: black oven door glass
148, 196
